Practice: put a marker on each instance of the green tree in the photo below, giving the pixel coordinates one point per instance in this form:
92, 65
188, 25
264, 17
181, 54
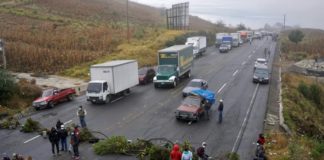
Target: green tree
241, 26
7, 85
296, 36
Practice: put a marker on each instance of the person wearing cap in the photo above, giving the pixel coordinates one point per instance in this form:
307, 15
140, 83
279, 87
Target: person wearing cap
63, 135
201, 152
75, 144
81, 114
220, 111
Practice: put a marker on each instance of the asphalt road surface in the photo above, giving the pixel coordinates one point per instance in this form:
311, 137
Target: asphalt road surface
149, 113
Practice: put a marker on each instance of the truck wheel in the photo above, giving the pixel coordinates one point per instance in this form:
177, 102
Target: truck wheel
126, 92
50, 104
175, 83
108, 99
70, 97
197, 119
156, 85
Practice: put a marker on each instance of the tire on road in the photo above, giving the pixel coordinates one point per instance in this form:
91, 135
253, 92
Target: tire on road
51, 104
108, 98
70, 97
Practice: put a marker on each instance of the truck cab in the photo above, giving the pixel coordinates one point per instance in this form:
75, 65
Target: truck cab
98, 91
166, 74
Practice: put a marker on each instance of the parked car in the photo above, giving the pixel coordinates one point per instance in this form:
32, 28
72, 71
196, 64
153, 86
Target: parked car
224, 48
53, 96
194, 84
260, 61
261, 74
190, 109
146, 75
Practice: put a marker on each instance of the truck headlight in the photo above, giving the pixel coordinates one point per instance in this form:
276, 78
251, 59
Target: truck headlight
172, 78
255, 77
154, 79
43, 103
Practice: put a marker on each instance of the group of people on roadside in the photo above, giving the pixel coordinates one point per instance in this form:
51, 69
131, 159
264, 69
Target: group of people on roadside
65, 136
260, 151
186, 154
15, 156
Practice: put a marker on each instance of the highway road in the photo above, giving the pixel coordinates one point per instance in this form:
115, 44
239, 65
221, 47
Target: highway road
149, 113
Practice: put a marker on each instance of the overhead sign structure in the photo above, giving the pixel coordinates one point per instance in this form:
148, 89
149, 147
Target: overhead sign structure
178, 16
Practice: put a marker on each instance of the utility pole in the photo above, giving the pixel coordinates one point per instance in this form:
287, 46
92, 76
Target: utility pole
127, 21
2, 49
284, 24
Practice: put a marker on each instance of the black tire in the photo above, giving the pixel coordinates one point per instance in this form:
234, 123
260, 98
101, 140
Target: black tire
51, 104
37, 108
108, 99
70, 97
197, 119
175, 83
156, 85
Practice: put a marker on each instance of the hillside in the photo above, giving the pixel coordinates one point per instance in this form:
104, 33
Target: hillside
52, 36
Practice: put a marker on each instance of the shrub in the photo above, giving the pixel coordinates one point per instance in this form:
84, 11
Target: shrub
7, 85
28, 90
232, 156
30, 126
303, 89
318, 151
85, 135
112, 145
315, 92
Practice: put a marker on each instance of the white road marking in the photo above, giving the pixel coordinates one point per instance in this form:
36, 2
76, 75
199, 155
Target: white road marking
240, 134
235, 73
250, 56
69, 121
221, 88
31, 139
243, 63
117, 99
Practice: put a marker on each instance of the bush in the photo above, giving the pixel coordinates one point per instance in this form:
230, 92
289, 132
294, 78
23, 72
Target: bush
112, 145
316, 93
232, 156
7, 85
85, 135
160, 153
28, 90
318, 151
303, 89
30, 126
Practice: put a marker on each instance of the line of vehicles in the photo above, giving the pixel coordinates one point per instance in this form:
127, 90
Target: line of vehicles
113, 79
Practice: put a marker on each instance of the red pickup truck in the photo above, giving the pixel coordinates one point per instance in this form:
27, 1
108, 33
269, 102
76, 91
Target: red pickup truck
53, 96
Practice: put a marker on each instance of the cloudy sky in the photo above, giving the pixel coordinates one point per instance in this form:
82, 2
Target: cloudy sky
253, 13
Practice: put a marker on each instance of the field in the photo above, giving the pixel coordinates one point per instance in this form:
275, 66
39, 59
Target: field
56, 37
303, 101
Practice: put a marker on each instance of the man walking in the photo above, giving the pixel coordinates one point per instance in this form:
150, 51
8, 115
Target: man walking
63, 135
82, 113
54, 139
220, 110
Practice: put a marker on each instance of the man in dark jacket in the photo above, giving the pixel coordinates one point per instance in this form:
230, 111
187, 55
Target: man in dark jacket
63, 135
220, 110
75, 144
54, 138
58, 125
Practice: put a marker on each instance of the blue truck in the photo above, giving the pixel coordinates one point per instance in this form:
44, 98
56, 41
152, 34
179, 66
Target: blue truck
227, 40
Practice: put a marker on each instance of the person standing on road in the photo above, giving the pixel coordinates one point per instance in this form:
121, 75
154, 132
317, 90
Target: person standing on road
186, 154
75, 144
54, 139
175, 153
58, 124
81, 114
63, 135
220, 110
201, 152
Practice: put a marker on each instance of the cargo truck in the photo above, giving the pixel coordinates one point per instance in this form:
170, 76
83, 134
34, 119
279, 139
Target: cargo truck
236, 39
228, 40
199, 45
173, 63
243, 36
219, 37
111, 79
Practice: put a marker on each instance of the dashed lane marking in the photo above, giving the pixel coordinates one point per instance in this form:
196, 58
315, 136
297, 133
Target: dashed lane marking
67, 122
31, 139
223, 86
235, 73
243, 63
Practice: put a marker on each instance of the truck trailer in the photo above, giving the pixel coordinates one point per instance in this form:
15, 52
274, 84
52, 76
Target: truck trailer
111, 79
199, 44
173, 63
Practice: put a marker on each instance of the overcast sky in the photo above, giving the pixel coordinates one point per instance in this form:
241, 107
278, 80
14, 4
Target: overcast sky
253, 13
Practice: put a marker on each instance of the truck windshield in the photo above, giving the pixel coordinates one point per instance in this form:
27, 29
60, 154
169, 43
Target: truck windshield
191, 101
94, 87
166, 69
47, 93
261, 72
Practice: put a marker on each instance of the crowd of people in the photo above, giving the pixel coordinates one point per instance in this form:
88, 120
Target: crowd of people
186, 154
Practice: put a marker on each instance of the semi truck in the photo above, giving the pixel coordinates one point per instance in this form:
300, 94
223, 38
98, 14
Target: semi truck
111, 79
236, 39
199, 44
219, 38
174, 63
243, 36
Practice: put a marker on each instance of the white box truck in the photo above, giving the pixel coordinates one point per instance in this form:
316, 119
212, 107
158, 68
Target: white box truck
236, 39
219, 38
199, 44
110, 79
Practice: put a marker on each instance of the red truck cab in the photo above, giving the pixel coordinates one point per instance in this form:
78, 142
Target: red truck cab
53, 96
191, 108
